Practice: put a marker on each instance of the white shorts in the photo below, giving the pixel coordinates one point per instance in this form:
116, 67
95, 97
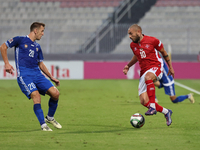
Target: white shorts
158, 72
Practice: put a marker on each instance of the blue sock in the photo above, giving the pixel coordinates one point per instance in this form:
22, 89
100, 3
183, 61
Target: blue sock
52, 107
180, 98
39, 113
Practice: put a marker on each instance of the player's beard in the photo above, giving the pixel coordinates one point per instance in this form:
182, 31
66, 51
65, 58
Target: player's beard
137, 39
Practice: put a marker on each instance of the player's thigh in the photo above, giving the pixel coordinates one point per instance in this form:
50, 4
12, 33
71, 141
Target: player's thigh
26, 85
53, 93
155, 73
43, 84
142, 85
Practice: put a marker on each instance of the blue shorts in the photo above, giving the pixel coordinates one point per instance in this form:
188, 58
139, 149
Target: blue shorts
170, 90
34, 82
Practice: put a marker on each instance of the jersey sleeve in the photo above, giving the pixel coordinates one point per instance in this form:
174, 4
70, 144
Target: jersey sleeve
40, 54
13, 41
158, 44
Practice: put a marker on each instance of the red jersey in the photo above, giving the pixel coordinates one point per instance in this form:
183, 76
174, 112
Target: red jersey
147, 53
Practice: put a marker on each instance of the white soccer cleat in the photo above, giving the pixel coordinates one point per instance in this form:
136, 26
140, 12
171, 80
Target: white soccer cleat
191, 98
54, 123
46, 128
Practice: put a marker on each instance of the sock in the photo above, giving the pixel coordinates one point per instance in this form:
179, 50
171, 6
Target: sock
52, 107
158, 107
151, 92
39, 113
161, 109
180, 98
43, 125
147, 105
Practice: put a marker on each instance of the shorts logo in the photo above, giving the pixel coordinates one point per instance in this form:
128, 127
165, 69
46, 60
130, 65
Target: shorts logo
26, 46
37, 49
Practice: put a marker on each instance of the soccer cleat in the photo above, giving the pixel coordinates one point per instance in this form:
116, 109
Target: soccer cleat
168, 117
54, 123
46, 128
191, 98
151, 111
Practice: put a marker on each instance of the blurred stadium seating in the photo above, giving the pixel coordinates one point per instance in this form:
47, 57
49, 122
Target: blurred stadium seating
174, 22
69, 23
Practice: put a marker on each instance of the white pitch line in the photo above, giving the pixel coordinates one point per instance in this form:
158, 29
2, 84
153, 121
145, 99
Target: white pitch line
186, 87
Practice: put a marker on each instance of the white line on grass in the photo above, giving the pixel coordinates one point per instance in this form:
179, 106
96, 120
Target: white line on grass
186, 87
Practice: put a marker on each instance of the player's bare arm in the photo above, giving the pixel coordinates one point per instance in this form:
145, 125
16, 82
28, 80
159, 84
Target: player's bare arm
131, 63
168, 61
47, 73
9, 68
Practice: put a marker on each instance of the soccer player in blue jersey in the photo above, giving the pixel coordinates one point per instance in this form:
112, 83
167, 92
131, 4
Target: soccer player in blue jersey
167, 82
29, 66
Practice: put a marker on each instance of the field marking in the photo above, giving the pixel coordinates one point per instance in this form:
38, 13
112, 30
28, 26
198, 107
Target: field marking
186, 87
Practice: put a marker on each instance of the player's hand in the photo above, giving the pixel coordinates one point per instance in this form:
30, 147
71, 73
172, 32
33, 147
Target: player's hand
125, 70
171, 72
56, 81
9, 68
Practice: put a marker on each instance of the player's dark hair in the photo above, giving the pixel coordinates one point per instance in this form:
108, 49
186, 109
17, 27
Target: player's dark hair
36, 25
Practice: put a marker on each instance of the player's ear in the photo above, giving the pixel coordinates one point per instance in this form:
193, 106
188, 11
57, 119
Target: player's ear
35, 30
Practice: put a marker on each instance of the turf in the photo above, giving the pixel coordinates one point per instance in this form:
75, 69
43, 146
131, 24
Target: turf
95, 115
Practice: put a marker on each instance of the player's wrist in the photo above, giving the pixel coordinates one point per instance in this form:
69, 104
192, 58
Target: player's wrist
128, 66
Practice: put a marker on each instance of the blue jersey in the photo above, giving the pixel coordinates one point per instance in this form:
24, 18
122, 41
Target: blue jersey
166, 80
27, 54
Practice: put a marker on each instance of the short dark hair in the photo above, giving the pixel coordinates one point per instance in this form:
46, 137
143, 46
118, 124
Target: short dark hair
36, 25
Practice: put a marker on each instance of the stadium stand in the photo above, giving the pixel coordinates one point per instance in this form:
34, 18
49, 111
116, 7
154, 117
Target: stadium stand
174, 22
68, 22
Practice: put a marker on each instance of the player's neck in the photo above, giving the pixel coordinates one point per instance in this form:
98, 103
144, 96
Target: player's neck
141, 37
32, 37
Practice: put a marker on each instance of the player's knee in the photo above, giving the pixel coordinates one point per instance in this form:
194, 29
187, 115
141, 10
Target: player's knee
55, 95
150, 76
35, 96
147, 78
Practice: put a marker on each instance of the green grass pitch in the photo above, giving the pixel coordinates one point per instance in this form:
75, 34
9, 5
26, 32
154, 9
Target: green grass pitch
95, 115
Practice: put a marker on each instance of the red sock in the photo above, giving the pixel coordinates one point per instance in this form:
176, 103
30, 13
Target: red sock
150, 90
147, 104
158, 107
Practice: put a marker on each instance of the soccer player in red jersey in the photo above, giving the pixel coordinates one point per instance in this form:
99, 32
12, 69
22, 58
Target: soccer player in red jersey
146, 51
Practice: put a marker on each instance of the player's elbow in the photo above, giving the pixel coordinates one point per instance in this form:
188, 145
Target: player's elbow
3, 47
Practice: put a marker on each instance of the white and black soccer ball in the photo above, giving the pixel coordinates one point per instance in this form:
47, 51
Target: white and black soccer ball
137, 120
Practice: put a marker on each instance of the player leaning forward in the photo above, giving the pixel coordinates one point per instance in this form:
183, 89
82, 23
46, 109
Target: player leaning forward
29, 64
145, 49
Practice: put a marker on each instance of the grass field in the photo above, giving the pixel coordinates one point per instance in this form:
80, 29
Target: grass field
95, 115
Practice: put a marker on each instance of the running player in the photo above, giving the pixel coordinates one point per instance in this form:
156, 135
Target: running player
29, 64
145, 49
167, 82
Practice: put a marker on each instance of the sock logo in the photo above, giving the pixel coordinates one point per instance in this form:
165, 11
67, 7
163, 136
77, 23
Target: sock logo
151, 89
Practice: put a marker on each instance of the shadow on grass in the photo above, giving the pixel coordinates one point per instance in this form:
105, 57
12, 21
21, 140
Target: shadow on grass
19, 131
109, 129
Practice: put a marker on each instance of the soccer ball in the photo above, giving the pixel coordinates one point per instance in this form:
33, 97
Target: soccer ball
137, 120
